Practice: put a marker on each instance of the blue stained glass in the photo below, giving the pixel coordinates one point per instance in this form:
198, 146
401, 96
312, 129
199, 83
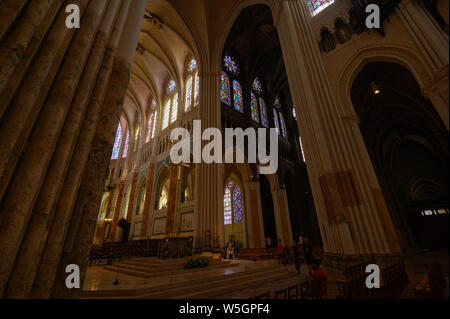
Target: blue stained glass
237, 205
238, 102
188, 105
277, 103
192, 66
117, 143
263, 110
257, 86
317, 6
275, 119
227, 207
283, 126
231, 65
225, 95
254, 108
171, 86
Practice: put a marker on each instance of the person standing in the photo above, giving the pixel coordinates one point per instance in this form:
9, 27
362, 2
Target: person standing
307, 252
296, 256
280, 251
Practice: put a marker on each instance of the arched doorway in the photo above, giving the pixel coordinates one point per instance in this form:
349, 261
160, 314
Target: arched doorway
270, 227
408, 145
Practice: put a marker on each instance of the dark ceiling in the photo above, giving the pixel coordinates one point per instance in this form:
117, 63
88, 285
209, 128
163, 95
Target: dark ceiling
254, 42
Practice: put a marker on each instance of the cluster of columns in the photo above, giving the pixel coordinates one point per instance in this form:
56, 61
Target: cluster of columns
64, 92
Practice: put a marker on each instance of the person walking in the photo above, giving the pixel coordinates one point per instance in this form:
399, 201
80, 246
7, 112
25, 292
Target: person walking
307, 252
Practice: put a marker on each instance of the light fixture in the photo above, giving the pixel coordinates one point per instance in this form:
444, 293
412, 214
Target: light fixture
375, 88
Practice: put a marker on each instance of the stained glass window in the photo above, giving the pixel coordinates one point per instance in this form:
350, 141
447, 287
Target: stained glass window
232, 204
294, 113
225, 95
257, 86
192, 66
125, 150
136, 139
275, 119
237, 205
283, 126
149, 128
237, 93
171, 86
301, 149
117, 143
254, 107
277, 102
227, 207
154, 124
188, 104
231, 65
166, 114
317, 6
174, 115
263, 111
197, 89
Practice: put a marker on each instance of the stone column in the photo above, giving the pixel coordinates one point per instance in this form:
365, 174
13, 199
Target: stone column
19, 39
117, 210
208, 177
283, 222
100, 155
22, 113
148, 200
10, 9
170, 220
433, 44
24, 187
255, 224
132, 199
341, 173
28, 257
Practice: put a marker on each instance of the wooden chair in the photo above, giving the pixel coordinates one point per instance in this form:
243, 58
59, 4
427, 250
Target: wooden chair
263, 296
281, 294
305, 290
293, 292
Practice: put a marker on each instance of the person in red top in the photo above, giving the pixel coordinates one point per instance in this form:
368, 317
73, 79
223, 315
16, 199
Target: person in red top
280, 251
318, 282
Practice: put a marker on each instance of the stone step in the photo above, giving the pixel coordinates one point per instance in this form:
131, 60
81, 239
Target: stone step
139, 266
221, 282
233, 286
164, 272
192, 279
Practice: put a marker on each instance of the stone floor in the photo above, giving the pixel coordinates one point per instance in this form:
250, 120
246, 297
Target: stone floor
417, 263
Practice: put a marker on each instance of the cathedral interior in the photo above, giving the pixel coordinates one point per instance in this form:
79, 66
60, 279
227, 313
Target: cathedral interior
87, 179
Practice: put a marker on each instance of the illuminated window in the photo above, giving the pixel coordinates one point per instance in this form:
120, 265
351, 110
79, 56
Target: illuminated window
283, 126
225, 95
294, 113
127, 140
263, 111
275, 119
166, 115
257, 86
301, 149
117, 143
188, 104
231, 65
232, 204
154, 124
317, 6
151, 122
174, 115
254, 108
192, 86
171, 86
136, 139
237, 94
